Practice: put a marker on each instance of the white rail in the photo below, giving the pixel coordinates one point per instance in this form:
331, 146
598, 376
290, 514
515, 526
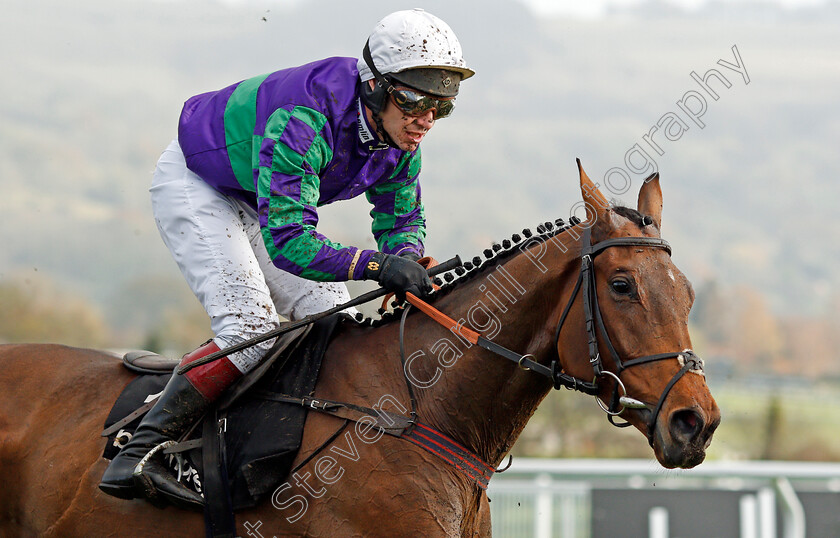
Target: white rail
560, 493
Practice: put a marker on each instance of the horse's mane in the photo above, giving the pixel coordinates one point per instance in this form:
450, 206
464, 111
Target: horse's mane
630, 214
498, 252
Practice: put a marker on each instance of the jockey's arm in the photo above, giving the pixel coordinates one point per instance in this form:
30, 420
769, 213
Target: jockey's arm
288, 190
399, 222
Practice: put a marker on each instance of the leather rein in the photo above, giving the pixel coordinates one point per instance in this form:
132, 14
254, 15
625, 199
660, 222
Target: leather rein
585, 285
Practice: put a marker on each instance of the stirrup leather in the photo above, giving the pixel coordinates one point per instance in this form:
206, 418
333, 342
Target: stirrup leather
138, 469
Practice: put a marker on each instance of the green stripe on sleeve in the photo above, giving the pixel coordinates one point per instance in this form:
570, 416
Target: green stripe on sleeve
272, 249
414, 164
301, 251
282, 210
405, 200
382, 222
311, 117
319, 154
412, 160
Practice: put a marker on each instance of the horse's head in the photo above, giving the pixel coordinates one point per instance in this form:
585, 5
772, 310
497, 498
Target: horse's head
641, 301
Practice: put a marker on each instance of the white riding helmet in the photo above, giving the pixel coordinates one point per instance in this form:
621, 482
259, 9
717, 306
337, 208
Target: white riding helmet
413, 39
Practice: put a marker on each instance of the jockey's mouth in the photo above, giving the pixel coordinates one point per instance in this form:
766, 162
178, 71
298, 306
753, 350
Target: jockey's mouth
416, 136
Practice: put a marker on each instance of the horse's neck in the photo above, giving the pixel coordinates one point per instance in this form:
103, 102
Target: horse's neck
480, 399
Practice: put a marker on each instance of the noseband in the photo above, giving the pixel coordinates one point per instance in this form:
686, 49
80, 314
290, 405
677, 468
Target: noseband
595, 324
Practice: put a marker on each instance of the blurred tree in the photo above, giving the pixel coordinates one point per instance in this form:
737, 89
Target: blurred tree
709, 312
183, 328
160, 314
35, 309
773, 429
810, 347
755, 334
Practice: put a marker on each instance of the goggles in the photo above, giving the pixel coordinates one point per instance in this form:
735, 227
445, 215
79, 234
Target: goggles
416, 104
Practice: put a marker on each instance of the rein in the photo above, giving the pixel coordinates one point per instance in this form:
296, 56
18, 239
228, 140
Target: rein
449, 264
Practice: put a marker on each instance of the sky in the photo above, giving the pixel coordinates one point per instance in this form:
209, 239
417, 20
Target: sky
595, 9
592, 9
86, 112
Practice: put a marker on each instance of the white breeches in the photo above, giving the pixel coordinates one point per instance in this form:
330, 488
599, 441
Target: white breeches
217, 244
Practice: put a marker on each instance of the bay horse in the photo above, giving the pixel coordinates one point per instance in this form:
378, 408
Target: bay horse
620, 333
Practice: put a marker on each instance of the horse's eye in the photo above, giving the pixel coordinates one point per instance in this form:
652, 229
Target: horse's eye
621, 286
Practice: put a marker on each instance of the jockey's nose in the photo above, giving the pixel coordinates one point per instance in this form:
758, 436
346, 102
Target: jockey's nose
427, 120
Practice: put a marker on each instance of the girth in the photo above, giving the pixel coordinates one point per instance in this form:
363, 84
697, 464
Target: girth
399, 426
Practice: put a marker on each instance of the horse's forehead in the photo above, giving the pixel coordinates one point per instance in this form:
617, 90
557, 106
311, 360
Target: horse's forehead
647, 260
642, 259
628, 228
648, 263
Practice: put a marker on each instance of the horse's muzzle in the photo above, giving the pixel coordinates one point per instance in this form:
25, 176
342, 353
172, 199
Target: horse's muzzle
682, 439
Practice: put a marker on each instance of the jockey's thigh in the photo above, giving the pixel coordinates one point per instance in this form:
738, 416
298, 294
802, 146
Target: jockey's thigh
217, 244
204, 233
294, 297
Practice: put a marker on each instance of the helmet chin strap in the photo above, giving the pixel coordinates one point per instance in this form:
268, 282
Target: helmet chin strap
383, 134
378, 101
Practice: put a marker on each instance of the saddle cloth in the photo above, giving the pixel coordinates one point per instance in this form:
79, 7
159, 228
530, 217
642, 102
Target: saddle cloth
262, 436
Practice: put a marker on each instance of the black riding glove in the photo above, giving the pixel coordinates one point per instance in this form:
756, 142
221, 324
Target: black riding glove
399, 275
410, 255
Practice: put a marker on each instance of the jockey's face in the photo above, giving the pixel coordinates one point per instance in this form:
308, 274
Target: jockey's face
406, 131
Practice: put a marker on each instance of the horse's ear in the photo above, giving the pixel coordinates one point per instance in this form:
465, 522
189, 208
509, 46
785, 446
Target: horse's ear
595, 201
650, 199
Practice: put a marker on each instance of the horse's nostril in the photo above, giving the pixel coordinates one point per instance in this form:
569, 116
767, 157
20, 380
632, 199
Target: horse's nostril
686, 424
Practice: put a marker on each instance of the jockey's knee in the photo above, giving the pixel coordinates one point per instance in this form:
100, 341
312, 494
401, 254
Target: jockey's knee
248, 358
318, 298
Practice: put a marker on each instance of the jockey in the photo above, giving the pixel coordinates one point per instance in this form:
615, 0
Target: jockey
235, 199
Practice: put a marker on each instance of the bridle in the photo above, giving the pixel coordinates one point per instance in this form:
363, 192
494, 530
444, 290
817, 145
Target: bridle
594, 321
585, 285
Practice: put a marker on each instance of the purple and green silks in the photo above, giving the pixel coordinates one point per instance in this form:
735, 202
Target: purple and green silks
291, 141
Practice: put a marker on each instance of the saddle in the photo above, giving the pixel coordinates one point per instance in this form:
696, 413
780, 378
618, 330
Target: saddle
245, 446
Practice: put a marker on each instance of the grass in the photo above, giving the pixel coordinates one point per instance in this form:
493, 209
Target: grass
758, 422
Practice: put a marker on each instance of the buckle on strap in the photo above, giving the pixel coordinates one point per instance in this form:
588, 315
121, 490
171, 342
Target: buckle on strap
523, 359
